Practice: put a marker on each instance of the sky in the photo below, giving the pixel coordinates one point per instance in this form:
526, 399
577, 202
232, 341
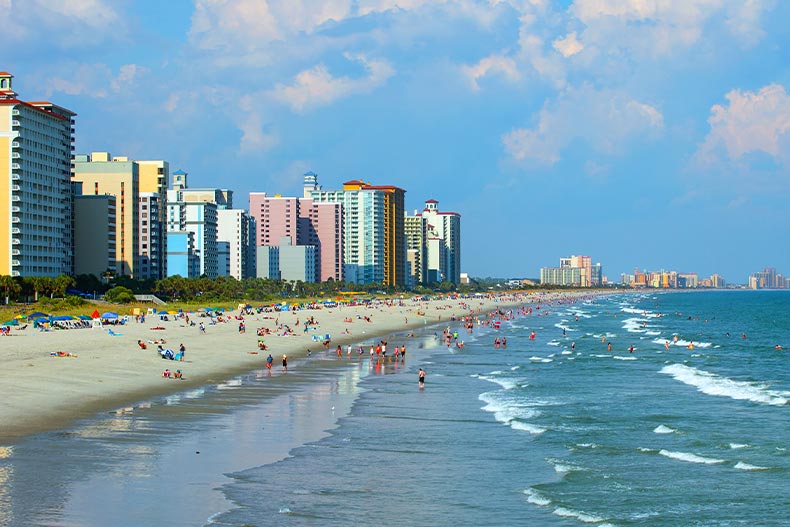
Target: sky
650, 134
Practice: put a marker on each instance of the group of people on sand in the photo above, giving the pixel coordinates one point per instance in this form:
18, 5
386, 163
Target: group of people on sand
167, 374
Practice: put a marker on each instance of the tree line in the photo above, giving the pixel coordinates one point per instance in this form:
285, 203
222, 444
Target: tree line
177, 288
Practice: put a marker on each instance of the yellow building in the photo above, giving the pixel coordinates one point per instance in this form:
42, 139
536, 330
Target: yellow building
36, 222
99, 173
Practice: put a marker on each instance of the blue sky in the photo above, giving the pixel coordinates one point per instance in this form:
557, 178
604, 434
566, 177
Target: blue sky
644, 133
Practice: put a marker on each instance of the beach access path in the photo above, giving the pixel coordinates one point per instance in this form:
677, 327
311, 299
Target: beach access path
101, 371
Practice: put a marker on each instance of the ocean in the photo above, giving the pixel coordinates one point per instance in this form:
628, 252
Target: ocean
687, 429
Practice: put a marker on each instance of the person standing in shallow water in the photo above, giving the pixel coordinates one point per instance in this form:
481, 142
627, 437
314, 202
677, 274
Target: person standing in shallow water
422, 378
285, 363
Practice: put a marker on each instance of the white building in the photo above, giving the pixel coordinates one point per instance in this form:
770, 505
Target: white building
233, 227
199, 218
36, 196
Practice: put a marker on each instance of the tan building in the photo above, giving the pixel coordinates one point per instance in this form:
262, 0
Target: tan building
36, 197
100, 173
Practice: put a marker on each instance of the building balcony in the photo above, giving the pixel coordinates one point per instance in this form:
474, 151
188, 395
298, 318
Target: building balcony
15, 123
15, 263
15, 166
15, 177
16, 198
16, 241
15, 230
16, 188
15, 252
16, 144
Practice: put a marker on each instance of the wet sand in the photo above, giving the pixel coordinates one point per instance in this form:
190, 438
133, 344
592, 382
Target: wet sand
41, 392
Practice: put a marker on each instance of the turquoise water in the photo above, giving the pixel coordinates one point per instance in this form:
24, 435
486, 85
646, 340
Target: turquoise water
539, 434
535, 434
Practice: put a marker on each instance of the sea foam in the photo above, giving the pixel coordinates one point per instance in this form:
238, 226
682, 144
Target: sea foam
536, 498
579, 515
661, 429
690, 458
712, 384
740, 465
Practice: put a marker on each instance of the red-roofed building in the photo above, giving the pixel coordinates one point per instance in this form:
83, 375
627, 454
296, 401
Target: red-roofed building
36, 196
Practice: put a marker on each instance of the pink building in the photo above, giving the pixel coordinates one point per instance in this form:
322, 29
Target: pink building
322, 225
276, 216
305, 223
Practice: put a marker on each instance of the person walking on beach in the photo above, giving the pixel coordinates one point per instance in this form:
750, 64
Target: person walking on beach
285, 363
421, 376
202, 329
269, 362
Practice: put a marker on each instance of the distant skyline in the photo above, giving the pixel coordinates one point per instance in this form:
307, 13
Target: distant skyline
642, 133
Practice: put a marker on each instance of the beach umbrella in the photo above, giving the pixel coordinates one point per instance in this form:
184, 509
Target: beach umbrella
83, 317
63, 317
109, 315
95, 313
37, 314
20, 317
41, 320
163, 312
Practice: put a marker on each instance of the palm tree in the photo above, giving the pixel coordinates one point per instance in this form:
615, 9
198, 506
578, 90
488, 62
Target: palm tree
9, 285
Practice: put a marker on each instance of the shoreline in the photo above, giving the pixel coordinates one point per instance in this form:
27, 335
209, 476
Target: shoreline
109, 372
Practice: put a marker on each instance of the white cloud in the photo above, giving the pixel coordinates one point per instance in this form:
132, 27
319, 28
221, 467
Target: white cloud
94, 80
750, 122
568, 46
607, 120
493, 63
67, 23
317, 86
654, 28
246, 25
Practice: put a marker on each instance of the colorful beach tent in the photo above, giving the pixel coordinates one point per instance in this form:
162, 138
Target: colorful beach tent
12, 322
37, 314
109, 315
63, 317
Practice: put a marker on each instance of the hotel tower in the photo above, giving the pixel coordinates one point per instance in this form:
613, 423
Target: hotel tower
36, 198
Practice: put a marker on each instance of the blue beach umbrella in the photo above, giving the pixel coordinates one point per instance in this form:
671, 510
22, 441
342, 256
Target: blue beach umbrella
109, 315
37, 314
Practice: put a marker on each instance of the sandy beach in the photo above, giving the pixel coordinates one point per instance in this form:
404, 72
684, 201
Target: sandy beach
102, 371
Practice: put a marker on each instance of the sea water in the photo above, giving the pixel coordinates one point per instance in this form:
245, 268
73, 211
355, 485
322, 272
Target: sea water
542, 434
555, 431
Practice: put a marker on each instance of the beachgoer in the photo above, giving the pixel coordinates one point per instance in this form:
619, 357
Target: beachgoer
609, 346
631, 348
202, 328
183, 350
166, 373
573, 346
269, 361
285, 363
421, 377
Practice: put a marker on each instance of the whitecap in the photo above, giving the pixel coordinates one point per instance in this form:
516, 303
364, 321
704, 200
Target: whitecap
507, 384
712, 384
737, 446
566, 352
579, 515
624, 358
661, 429
536, 498
505, 409
740, 465
526, 427
690, 458
553, 343
540, 359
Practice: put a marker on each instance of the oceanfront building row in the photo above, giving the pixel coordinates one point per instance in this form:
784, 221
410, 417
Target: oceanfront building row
576, 271
66, 213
